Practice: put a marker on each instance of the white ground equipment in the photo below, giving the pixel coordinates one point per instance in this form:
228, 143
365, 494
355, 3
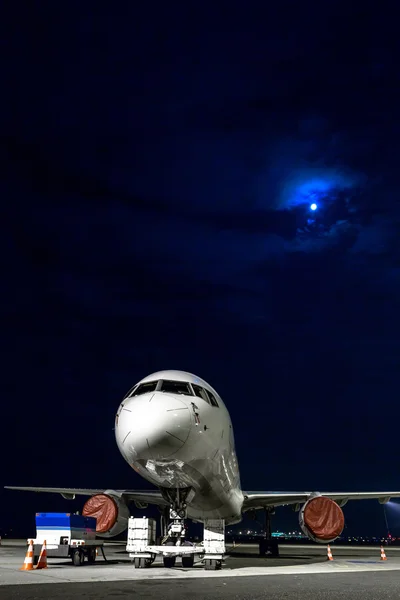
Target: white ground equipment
143, 550
66, 535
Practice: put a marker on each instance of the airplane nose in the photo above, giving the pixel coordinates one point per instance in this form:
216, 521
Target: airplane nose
153, 426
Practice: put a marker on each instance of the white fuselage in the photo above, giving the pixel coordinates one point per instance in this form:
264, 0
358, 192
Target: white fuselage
182, 440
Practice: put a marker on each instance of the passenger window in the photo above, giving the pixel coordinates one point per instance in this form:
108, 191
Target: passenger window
212, 399
144, 388
176, 387
200, 393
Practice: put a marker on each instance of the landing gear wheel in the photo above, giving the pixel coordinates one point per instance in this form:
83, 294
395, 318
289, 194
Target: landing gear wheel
169, 561
91, 555
188, 561
211, 564
275, 549
269, 548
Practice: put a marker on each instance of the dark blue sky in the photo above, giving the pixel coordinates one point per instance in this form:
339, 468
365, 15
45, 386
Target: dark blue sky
158, 170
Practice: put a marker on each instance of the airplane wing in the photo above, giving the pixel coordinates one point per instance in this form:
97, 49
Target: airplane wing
254, 500
141, 496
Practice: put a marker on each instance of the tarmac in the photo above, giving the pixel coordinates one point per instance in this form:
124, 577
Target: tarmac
302, 571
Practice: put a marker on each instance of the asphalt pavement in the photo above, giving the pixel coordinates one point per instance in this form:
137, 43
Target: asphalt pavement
301, 572
337, 586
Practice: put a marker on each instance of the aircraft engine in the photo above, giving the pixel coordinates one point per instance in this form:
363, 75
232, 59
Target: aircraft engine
111, 512
321, 519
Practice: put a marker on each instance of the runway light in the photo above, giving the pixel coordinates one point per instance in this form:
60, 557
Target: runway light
313, 206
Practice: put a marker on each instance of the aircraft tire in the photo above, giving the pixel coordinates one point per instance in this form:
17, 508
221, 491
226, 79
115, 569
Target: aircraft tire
269, 548
169, 561
188, 561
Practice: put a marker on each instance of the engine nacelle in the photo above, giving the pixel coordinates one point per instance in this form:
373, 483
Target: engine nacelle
321, 519
111, 512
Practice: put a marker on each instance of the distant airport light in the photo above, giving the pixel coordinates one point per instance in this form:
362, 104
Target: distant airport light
313, 206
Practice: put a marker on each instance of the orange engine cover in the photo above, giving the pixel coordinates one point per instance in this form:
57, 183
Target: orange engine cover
104, 509
321, 519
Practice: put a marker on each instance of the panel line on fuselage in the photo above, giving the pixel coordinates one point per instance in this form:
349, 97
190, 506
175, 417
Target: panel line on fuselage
175, 436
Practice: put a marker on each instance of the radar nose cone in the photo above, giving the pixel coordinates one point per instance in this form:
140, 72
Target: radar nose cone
152, 426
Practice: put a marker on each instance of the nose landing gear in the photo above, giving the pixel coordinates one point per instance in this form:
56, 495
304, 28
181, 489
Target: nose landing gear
173, 542
175, 535
174, 531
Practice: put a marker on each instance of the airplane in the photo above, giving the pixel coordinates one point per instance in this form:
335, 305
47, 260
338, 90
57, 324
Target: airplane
175, 431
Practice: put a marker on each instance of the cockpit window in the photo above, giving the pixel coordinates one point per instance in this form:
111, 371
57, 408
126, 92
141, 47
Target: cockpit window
144, 388
176, 387
128, 394
205, 394
200, 392
213, 400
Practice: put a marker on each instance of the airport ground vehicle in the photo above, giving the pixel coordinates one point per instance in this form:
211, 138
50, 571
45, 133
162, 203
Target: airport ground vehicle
67, 535
143, 549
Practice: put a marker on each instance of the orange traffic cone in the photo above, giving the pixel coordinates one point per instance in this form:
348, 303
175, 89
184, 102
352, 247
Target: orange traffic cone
28, 562
330, 557
383, 555
42, 562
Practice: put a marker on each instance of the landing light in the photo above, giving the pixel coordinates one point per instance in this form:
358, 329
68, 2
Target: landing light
313, 206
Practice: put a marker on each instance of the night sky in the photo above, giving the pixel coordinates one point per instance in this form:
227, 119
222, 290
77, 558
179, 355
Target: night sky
159, 167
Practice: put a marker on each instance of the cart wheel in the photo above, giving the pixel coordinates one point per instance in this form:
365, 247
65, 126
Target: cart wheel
76, 558
140, 563
91, 555
212, 564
